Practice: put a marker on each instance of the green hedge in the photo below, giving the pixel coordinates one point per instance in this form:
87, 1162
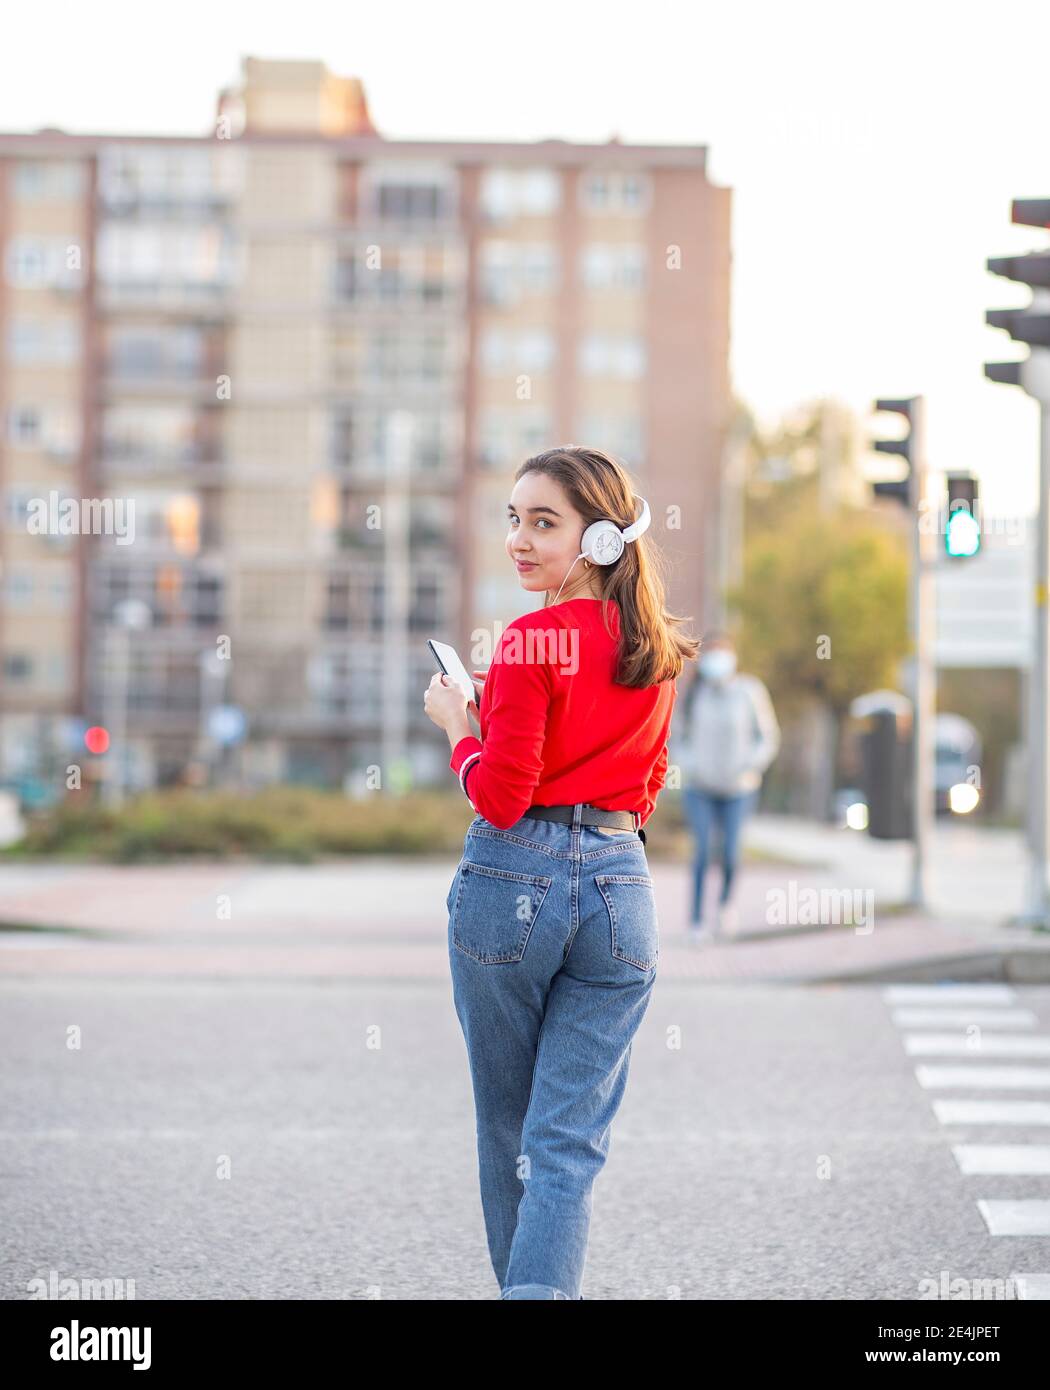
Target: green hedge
296, 824
290, 823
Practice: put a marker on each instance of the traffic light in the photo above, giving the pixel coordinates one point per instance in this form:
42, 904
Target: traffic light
1029, 325
901, 488
962, 533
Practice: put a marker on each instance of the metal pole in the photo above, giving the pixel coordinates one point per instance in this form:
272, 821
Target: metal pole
119, 720
130, 614
730, 538
211, 688
1035, 379
1037, 907
924, 676
394, 667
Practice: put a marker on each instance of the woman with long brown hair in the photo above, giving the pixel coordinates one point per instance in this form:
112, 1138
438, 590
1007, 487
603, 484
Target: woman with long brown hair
553, 938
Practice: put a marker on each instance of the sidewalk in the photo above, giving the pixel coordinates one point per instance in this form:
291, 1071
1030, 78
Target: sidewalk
975, 883
382, 918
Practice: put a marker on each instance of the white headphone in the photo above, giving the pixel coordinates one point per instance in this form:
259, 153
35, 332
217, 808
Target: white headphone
603, 542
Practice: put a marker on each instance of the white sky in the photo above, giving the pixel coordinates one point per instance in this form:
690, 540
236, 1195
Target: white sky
873, 150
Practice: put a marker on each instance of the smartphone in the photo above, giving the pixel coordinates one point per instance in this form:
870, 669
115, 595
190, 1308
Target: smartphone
448, 661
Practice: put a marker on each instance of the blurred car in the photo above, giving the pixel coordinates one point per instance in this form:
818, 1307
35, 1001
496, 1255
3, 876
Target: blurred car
957, 765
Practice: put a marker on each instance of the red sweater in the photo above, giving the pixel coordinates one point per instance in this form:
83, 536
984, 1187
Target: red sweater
556, 729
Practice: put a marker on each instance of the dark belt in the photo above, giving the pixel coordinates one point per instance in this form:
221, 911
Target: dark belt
590, 815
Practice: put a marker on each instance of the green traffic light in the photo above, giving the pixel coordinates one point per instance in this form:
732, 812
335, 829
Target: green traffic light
962, 536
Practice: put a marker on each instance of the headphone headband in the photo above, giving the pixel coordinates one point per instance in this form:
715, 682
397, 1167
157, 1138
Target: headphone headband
637, 528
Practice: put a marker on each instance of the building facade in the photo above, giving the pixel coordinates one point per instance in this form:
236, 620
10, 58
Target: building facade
312, 358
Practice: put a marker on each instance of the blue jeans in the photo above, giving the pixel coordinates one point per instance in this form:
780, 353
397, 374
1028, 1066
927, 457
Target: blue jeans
702, 808
553, 944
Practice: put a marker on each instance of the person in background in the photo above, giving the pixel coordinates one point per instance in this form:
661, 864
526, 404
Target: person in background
727, 737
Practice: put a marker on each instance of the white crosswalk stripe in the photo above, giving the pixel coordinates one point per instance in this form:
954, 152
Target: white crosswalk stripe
964, 1018
949, 994
1009, 1078
1031, 1285
1017, 1218
992, 1112
978, 1044
1024, 1159
986, 1026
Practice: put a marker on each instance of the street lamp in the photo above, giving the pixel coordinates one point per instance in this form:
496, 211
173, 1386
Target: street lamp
212, 687
132, 615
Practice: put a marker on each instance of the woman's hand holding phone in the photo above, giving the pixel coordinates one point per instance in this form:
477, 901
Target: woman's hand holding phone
475, 708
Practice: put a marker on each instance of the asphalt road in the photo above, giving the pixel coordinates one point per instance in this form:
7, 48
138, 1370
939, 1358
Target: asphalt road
302, 1138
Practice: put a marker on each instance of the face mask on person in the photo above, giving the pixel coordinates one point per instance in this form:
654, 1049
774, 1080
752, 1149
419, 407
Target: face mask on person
719, 665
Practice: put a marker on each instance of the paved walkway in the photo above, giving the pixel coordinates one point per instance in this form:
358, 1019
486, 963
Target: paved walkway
827, 918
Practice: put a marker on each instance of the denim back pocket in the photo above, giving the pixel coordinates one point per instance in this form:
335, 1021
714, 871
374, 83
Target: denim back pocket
495, 910
635, 936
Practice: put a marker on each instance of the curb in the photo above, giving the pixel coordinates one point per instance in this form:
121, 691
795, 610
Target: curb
1015, 965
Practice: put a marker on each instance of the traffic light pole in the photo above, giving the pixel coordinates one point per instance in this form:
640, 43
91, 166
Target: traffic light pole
911, 492
924, 680
1031, 325
1035, 377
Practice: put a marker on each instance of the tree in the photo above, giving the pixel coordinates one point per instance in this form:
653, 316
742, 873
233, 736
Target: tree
822, 605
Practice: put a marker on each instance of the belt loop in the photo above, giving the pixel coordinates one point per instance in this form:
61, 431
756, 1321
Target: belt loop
577, 814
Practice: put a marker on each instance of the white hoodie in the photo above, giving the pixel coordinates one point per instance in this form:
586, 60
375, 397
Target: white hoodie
727, 735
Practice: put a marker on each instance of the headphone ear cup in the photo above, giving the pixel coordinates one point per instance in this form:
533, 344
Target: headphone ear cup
602, 543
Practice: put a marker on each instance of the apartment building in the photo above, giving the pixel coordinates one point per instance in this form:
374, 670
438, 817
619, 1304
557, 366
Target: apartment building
313, 358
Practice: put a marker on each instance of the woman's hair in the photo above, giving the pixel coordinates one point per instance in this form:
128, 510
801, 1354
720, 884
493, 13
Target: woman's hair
650, 649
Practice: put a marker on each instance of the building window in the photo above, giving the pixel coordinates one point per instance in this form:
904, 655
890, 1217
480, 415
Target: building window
52, 428
632, 191
509, 271
622, 435
337, 609
596, 192
52, 341
60, 591
430, 521
156, 351
412, 277
153, 435
613, 265
175, 595
18, 667
362, 440
528, 350
42, 262
614, 191
507, 436
18, 588
510, 193
57, 670
138, 257
49, 180
409, 201
398, 359
23, 427
608, 354
16, 507
166, 174
399, 191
